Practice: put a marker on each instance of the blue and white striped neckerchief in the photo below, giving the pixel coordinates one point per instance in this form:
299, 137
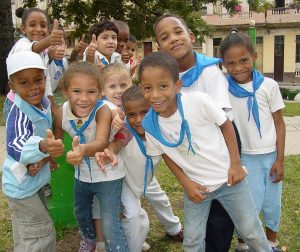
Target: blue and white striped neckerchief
149, 161
237, 91
201, 61
104, 62
79, 133
150, 124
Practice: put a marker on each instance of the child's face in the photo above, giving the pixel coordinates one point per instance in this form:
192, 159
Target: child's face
114, 86
159, 90
135, 112
131, 48
122, 40
239, 63
107, 43
36, 26
29, 84
82, 94
173, 38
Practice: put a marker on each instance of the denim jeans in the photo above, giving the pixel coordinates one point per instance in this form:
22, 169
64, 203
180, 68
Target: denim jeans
238, 202
109, 196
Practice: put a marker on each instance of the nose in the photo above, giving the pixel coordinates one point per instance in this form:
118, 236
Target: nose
173, 38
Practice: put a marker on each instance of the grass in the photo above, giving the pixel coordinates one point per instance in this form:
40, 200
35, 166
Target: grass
289, 234
291, 109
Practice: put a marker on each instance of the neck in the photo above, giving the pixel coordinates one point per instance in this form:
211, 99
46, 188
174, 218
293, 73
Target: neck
186, 62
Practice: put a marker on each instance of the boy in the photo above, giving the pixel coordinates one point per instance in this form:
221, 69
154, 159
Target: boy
102, 49
29, 141
123, 38
198, 73
198, 144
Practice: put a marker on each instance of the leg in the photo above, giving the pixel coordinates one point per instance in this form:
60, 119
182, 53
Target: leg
136, 221
195, 219
238, 202
219, 229
162, 207
109, 195
33, 229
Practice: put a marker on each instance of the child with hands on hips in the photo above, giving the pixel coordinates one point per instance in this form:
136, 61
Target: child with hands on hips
87, 119
257, 104
206, 162
29, 140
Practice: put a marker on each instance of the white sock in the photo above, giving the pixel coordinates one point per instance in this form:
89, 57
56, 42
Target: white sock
273, 244
100, 246
241, 246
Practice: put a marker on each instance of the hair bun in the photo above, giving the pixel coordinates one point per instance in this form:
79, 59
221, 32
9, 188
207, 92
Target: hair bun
233, 30
19, 12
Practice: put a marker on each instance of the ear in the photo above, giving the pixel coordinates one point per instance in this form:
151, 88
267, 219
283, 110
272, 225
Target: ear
11, 85
178, 86
192, 37
23, 29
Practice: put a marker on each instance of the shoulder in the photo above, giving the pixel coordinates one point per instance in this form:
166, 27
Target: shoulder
212, 69
196, 96
110, 104
269, 81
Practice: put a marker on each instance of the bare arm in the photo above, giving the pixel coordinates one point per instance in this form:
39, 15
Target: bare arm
57, 124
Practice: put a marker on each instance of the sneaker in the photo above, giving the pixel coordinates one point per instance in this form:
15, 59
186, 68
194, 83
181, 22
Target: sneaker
275, 249
178, 237
86, 246
100, 247
242, 247
146, 247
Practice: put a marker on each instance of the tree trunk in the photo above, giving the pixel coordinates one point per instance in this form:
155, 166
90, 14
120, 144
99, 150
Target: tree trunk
6, 40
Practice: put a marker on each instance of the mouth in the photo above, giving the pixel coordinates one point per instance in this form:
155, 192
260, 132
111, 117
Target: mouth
118, 97
157, 105
34, 95
176, 47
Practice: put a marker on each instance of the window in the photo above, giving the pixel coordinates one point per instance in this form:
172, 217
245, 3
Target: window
259, 40
297, 48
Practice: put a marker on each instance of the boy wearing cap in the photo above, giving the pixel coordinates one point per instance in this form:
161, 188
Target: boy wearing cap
29, 140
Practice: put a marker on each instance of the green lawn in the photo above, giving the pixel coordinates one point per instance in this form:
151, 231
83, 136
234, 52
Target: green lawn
291, 109
288, 236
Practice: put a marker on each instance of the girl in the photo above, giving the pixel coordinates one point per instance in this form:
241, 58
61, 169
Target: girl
87, 119
37, 39
257, 104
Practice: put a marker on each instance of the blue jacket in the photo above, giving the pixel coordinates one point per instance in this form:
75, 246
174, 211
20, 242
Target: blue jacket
26, 127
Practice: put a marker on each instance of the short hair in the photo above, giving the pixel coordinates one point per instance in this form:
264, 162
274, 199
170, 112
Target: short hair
133, 93
24, 13
103, 26
121, 25
160, 60
236, 38
132, 38
115, 68
81, 68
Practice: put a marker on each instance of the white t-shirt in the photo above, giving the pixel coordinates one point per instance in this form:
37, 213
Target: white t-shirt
115, 57
269, 100
135, 161
209, 165
97, 174
212, 82
24, 44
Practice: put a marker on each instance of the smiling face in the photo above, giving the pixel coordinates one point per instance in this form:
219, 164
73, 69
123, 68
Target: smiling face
135, 112
107, 43
29, 84
239, 63
115, 85
122, 39
174, 38
82, 94
159, 90
36, 26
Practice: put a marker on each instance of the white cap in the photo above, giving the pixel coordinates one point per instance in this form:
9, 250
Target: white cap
23, 60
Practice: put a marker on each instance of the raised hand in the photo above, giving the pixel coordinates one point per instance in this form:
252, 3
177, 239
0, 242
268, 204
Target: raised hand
56, 34
91, 49
118, 120
60, 50
75, 155
81, 46
54, 147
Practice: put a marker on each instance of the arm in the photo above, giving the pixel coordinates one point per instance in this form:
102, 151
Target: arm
57, 124
192, 189
78, 50
277, 168
235, 173
91, 50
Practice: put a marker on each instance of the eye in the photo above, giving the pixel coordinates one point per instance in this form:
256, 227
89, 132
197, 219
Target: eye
145, 111
130, 115
178, 32
76, 91
164, 85
245, 60
92, 92
114, 37
23, 83
39, 81
112, 86
124, 85
162, 38
146, 88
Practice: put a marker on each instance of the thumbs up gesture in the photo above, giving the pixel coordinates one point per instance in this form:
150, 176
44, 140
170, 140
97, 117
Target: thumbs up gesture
81, 46
118, 120
49, 144
75, 155
90, 52
56, 34
60, 50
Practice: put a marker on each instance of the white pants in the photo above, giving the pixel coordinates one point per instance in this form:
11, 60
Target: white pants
136, 221
162, 207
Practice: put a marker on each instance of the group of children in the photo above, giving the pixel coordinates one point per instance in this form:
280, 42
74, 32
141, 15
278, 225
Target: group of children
183, 111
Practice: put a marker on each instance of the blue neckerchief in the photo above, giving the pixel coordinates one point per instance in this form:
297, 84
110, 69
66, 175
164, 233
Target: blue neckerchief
149, 162
193, 74
59, 63
42, 114
150, 124
237, 91
104, 61
79, 133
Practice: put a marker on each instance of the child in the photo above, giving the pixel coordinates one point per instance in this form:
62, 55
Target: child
134, 62
29, 140
123, 38
261, 128
88, 120
198, 73
101, 50
198, 144
35, 28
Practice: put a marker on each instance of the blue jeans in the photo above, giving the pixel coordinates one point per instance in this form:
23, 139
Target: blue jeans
238, 202
109, 196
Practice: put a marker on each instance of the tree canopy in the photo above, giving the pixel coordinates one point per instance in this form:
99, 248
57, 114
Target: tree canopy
139, 14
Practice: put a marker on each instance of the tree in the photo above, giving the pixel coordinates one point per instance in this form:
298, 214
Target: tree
139, 14
7, 40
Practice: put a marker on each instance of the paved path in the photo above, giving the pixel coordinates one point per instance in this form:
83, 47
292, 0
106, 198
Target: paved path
292, 143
